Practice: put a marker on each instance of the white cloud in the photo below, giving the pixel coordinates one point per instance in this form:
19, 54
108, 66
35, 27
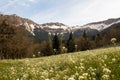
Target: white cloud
32, 0
79, 13
73, 12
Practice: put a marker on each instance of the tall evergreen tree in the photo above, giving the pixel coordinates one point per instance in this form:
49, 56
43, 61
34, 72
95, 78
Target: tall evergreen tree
56, 44
85, 44
71, 43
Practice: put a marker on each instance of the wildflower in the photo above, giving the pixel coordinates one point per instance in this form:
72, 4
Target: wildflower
81, 77
76, 67
47, 79
17, 79
105, 56
81, 60
113, 59
33, 55
25, 75
106, 71
71, 78
94, 79
105, 77
12, 68
113, 40
93, 73
49, 33
81, 64
65, 77
76, 73
85, 74
81, 67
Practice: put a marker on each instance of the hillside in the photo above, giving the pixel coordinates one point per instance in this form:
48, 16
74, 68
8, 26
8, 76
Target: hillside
98, 64
40, 31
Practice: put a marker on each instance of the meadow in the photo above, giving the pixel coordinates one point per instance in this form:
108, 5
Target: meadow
98, 64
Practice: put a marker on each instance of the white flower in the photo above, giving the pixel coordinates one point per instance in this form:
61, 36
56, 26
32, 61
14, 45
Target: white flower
33, 55
113, 59
49, 33
85, 74
47, 79
17, 79
106, 71
71, 78
25, 75
106, 77
81, 77
76, 73
105, 56
113, 40
94, 79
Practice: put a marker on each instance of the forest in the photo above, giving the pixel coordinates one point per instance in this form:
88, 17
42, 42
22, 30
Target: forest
16, 44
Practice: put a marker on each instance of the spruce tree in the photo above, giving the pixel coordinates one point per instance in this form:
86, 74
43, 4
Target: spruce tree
71, 43
85, 44
56, 44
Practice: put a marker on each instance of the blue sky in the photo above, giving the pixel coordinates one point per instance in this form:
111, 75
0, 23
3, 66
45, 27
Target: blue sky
70, 12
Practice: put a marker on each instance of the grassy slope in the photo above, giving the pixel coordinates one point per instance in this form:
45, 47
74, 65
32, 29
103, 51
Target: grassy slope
99, 64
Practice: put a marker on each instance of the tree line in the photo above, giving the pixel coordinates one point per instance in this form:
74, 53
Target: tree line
16, 44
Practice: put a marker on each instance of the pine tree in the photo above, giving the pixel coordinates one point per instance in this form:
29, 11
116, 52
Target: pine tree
56, 44
85, 44
71, 43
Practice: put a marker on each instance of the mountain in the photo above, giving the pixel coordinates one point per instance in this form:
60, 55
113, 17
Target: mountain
101, 25
19, 21
55, 27
40, 31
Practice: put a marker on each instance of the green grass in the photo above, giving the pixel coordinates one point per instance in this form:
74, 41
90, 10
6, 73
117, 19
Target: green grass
98, 64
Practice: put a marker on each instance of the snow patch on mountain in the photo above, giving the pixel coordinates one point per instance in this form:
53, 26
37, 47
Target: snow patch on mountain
56, 27
29, 28
99, 26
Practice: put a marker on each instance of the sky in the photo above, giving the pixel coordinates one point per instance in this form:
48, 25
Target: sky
69, 12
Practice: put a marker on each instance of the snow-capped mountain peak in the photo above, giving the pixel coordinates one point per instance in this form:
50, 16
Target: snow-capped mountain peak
101, 25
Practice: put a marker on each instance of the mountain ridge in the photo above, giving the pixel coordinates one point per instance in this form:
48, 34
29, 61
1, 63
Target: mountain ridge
38, 30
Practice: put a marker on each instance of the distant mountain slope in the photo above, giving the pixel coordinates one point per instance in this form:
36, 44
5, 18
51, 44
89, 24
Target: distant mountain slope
40, 31
19, 21
101, 25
